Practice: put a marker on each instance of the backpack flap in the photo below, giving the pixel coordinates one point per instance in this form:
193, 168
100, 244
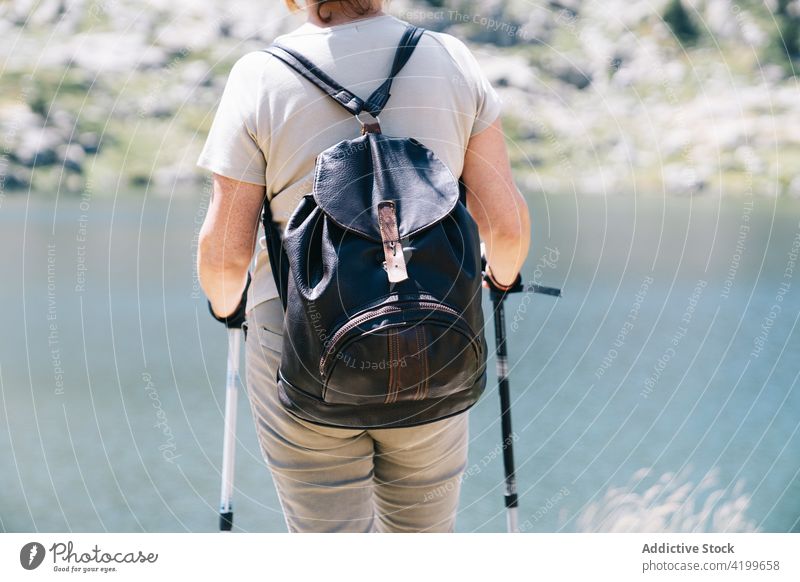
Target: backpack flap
353, 177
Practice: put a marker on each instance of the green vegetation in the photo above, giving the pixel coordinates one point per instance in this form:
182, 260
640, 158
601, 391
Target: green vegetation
783, 47
680, 22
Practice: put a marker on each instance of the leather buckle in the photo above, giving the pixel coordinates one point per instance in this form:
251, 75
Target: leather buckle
395, 264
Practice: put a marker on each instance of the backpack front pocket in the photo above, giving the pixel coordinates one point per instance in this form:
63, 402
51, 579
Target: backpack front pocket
417, 351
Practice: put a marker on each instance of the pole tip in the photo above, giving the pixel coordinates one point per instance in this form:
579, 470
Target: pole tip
226, 521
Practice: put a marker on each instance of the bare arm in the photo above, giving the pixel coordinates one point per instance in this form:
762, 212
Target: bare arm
495, 203
227, 241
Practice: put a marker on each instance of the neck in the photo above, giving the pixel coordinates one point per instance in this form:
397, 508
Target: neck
333, 13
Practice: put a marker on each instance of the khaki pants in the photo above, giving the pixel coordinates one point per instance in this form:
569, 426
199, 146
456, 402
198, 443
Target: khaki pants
347, 480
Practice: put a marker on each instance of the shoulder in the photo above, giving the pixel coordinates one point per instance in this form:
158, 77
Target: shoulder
252, 71
454, 46
445, 40
252, 63
456, 49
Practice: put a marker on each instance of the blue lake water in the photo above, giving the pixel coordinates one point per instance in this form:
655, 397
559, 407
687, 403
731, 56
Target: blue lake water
659, 394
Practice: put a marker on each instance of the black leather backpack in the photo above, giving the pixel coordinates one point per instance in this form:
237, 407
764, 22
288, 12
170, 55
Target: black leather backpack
379, 272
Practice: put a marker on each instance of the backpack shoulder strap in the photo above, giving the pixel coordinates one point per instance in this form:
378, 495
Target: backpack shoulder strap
278, 262
377, 101
318, 77
347, 99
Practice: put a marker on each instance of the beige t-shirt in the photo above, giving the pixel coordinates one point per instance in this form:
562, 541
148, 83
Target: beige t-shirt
271, 123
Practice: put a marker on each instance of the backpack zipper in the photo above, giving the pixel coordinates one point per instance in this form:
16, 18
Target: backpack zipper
356, 321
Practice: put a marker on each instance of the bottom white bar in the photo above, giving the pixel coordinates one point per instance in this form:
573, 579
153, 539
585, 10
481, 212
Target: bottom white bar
331, 557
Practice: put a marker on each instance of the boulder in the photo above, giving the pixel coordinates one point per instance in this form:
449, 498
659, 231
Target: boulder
167, 179
47, 12
181, 36
536, 28
63, 121
578, 76
681, 179
197, 74
749, 159
12, 177
508, 71
721, 20
19, 11
111, 52
38, 147
17, 120
90, 142
72, 157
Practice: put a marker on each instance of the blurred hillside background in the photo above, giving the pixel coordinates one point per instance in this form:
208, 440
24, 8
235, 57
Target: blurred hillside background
657, 144
681, 97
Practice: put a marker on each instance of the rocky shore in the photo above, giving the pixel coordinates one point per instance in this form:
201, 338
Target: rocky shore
609, 97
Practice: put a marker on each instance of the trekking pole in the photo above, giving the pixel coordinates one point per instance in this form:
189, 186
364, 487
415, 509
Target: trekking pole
498, 298
229, 438
235, 323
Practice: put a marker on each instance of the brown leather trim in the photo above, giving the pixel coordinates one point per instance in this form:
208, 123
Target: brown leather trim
408, 370
392, 247
392, 380
422, 391
396, 354
417, 354
370, 127
400, 355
